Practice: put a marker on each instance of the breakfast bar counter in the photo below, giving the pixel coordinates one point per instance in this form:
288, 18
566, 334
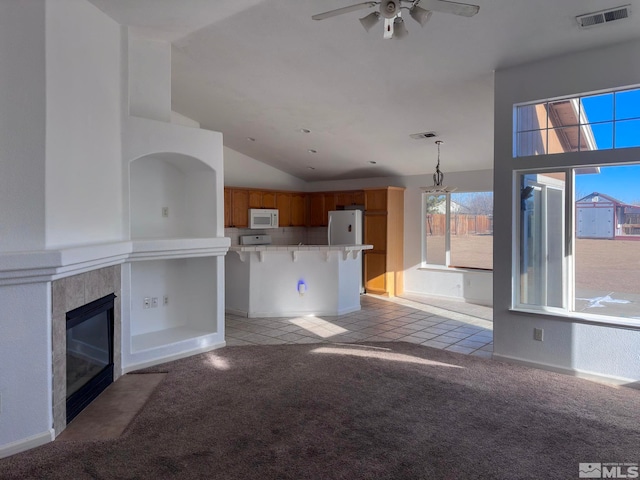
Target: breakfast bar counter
293, 280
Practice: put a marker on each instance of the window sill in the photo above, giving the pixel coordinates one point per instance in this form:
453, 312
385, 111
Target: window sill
581, 317
442, 268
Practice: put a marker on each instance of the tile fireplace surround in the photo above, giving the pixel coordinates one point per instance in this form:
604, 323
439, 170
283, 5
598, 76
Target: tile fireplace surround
69, 293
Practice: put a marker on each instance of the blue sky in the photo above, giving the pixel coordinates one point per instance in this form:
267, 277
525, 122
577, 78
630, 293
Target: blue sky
621, 182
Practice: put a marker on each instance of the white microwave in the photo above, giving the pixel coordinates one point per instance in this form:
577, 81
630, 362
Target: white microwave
263, 218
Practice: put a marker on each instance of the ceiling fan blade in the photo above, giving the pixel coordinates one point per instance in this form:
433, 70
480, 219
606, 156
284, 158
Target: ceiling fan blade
445, 6
340, 11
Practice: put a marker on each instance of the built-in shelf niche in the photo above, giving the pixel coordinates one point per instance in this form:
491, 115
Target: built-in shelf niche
190, 285
172, 196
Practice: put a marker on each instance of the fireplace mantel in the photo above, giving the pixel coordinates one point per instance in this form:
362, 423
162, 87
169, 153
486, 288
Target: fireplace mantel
51, 264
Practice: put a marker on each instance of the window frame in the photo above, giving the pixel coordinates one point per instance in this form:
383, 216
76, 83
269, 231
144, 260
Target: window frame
568, 311
447, 242
576, 101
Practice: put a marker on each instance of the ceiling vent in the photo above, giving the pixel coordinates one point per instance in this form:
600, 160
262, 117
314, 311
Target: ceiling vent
605, 16
420, 136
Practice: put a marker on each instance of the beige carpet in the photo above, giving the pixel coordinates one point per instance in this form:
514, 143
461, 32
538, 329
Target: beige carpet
336, 411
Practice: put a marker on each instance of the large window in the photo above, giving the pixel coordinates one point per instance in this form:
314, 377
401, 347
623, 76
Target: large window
592, 122
584, 259
458, 230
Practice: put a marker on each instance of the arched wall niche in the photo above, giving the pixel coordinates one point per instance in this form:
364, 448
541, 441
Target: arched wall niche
172, 195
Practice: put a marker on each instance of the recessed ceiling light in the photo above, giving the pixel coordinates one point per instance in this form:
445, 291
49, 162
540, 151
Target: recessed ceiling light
304, 130
311, 150
251, 139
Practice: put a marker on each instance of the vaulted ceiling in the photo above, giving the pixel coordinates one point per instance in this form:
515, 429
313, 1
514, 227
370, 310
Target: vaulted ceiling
264, 70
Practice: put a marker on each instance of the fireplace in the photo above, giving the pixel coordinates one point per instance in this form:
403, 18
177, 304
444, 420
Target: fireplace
89, 355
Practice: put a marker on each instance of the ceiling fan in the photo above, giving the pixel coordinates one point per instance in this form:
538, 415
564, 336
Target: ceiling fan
390, 10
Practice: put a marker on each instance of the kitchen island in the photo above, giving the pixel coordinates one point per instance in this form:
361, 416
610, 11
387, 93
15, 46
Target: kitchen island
293, 280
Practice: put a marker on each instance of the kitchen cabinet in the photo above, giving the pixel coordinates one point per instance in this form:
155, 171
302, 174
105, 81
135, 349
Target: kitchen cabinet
329, 205
345, 199
320, 204
227, 208
262, 199
384, 229
316, 210
269, 200
283, 204
236, 207
298, 210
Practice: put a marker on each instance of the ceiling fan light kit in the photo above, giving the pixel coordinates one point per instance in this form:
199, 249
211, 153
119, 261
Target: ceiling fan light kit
370, 20
420, 15
390, 10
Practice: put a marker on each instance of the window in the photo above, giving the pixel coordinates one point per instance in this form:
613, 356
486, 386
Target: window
578, 227
577, 124
458, 230
592, 268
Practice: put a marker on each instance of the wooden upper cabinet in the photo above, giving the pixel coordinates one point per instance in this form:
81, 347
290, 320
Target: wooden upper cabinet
354, 197
298, 210
227, 208
375, 200
317, 211
283, 204
269, 200
239, 208
329, 206
255, 199
262, 199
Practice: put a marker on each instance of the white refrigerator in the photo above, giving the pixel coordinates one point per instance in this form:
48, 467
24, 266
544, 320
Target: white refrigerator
345, 227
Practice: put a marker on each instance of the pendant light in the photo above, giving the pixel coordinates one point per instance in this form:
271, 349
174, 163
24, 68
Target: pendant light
438, 178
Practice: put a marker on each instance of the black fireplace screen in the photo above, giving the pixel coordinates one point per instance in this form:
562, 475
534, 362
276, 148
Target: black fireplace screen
89, 353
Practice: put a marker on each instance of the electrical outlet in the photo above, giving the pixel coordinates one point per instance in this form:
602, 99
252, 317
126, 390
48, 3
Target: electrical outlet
154, 302
146, 303
165, 300
165, 212
538, 334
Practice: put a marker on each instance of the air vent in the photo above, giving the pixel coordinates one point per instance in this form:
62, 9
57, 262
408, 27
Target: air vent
605, 16
420, 136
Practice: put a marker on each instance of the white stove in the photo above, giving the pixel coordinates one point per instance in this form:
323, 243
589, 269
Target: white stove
255, 240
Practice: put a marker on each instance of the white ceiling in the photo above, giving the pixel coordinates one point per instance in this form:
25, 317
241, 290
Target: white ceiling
264, 69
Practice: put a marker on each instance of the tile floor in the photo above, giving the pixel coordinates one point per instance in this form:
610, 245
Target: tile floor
446, 324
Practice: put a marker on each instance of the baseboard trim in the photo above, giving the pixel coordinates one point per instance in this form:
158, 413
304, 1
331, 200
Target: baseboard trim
27, 443
158, 361
594, 377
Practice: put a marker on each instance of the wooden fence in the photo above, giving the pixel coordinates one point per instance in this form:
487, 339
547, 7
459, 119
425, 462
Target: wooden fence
461, 224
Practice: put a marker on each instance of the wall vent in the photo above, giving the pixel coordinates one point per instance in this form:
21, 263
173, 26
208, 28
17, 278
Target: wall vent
605, 16
420, 136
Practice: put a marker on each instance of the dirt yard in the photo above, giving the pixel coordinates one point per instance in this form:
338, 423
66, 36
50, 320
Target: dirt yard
603, 265
608, 265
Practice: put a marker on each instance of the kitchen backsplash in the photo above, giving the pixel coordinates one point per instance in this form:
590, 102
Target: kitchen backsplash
282, 235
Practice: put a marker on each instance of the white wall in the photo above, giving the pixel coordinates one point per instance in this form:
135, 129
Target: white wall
568, 345
243, 171
22, 125
25, 364
83, 173
149, 68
